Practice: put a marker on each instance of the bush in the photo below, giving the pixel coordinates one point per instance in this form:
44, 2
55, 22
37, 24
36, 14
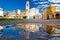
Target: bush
25, 17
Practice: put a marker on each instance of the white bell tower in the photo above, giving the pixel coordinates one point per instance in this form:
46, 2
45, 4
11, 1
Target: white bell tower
27, 5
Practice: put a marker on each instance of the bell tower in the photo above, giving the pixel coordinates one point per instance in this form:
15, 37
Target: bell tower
27, 5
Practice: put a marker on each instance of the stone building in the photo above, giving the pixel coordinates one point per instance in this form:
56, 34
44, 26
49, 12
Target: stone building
6, 15
50, 13
23, 13
10, 14
57, 15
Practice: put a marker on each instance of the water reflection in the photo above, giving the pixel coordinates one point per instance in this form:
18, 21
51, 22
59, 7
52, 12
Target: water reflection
28, 27
28, 31
31, 27
49, 28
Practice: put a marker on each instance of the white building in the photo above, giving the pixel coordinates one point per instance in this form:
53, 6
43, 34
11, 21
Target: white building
37, 16
1, 12
18, 11
33, 12
12, 14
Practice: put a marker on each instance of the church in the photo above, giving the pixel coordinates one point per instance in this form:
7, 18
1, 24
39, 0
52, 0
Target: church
28, 13
23, 14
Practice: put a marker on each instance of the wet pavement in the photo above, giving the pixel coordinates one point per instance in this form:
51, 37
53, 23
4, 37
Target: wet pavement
14, 32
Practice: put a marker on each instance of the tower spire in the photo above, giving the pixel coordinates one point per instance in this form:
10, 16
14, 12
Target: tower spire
27, 5
27, 1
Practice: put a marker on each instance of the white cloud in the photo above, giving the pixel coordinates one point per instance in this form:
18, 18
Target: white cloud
55, 1
55, 5
45, 5
35, 3
39, 6
42, 2
35, 0
58, 8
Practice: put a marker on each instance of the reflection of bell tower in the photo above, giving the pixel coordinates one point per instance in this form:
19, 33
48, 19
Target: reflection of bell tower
27, 5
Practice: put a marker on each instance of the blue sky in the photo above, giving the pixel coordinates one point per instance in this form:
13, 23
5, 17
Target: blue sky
10, 5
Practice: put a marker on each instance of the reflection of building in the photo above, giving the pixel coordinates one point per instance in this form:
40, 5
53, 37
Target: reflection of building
29, 27
50, 13
1, 27
49, 28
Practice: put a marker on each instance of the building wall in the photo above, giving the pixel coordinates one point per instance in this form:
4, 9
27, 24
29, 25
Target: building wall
57, 15
51, 9
18, 12
33, 11
49, 12
6, 15
23, 13
12, 14
44, 14
1, 12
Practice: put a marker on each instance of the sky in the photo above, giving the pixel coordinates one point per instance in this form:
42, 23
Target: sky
10, 5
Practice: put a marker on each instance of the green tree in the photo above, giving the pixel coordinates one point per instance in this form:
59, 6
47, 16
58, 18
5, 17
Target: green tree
25, 17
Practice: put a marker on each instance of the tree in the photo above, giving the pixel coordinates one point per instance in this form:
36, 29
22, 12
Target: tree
25, 17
